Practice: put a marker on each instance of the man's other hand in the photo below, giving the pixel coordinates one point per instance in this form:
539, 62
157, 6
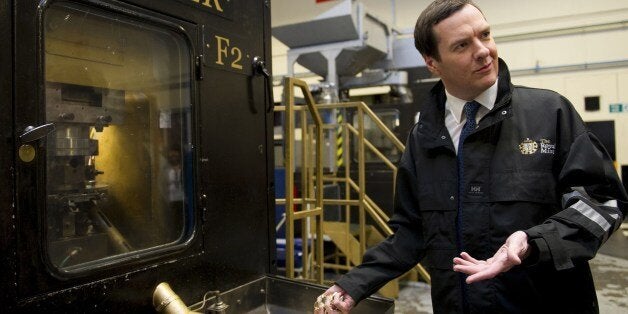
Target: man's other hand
514, 250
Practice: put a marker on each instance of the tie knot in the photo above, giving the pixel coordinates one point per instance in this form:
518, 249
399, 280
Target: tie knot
471, 109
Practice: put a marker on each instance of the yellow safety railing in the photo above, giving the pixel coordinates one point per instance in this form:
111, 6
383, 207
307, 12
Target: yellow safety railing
310, 205
306, 212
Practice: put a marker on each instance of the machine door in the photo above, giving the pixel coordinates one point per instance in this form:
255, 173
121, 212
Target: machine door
104, 120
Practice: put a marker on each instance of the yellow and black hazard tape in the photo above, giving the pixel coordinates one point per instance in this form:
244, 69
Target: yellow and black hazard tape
339, 140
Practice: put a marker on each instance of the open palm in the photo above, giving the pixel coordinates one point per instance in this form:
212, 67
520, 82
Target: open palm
514, 250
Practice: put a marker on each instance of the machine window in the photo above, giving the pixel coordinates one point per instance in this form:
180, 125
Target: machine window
118, 165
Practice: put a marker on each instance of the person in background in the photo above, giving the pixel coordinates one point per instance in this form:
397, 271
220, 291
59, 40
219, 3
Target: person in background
175, 194
501, 192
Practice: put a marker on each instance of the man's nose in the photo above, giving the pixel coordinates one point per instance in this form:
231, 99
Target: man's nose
481, 49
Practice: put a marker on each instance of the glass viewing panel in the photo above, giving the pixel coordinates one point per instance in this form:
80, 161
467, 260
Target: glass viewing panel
118, 166
390, 118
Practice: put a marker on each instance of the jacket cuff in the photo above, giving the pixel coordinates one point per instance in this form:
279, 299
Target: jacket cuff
352, 290
546, 242
538, 253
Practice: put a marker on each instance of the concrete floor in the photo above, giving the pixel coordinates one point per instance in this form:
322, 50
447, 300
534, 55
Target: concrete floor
610, 272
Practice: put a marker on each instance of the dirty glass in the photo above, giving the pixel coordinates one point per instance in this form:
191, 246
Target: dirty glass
118, 165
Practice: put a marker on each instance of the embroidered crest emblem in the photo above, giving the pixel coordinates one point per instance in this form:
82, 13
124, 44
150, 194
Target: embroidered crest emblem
547, 147
528, 147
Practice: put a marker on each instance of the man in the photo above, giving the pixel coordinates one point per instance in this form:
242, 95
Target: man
501, 192
174, 192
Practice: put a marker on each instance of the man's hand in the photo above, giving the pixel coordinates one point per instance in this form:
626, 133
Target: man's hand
510, 254
334, 300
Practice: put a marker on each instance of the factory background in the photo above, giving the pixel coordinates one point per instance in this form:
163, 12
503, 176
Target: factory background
577, 48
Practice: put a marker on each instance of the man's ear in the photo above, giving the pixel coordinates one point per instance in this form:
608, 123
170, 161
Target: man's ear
432, 64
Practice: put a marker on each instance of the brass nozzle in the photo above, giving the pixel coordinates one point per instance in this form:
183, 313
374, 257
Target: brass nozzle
166, 301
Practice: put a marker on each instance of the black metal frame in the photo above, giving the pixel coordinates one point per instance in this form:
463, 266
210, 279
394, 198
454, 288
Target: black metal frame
233, 242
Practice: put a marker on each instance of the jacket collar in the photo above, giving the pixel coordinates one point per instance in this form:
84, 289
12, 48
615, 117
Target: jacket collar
504, 86
455, 105
431, 124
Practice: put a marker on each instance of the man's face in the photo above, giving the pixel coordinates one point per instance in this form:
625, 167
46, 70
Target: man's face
468, 55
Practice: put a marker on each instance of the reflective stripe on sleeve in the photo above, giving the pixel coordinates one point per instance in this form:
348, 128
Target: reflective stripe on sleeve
590, 213
579, 200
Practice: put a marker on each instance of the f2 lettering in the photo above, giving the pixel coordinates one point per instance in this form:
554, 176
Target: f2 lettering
231, 53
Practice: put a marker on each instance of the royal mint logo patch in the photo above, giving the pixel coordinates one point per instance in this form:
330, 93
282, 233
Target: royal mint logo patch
547, 147
543, 146
528, 147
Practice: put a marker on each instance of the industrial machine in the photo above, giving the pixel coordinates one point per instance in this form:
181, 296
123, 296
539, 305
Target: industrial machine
137, 150
353, 49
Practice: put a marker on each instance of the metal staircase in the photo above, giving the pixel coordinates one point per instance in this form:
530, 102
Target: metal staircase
350, 238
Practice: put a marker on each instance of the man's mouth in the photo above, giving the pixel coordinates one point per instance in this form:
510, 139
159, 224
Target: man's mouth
485, 68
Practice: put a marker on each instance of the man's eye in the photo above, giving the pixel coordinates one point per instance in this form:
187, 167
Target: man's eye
486, 34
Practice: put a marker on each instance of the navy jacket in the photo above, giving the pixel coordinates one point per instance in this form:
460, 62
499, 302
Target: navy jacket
530, 165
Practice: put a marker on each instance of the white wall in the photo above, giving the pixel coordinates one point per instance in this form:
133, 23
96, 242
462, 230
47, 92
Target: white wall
600, 37
610, 84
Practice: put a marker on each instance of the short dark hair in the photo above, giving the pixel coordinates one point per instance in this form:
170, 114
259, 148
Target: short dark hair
424, 38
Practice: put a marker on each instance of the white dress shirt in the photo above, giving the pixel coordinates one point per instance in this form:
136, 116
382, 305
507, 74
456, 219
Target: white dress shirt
454, 118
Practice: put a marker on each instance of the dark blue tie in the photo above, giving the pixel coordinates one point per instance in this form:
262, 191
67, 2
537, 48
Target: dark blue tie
470, 110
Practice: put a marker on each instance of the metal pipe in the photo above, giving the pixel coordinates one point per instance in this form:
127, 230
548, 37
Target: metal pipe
118, 241
570, 68
361, 181
393, 9
577, 30
289, 164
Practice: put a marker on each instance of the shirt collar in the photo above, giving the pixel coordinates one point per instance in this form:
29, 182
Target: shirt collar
487, 99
